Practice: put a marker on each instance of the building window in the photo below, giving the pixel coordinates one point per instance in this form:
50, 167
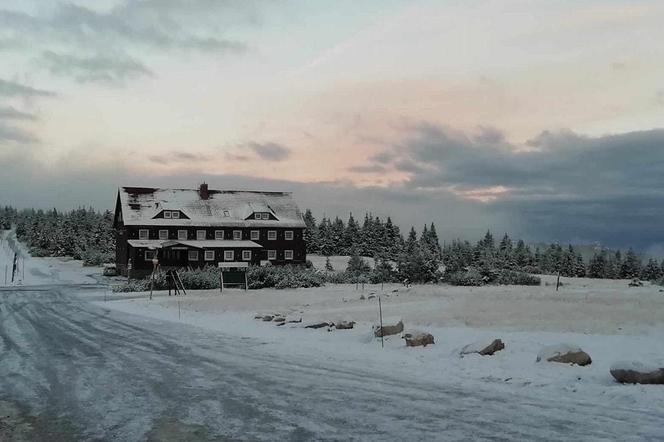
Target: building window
288, 254
271, 254
200, 234
218, 234
271, 235
288, 235
209, 255
237, 235
246, 255
182, 235
149, 255
143, 234
163, 234
258, 215
167, 214
255, 235
227, 213
193, 255
175, 214
229, 255
266, 215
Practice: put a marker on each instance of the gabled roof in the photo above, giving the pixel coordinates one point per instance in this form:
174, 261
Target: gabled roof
222, 208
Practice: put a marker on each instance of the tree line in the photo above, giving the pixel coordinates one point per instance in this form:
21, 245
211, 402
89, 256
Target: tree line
82, 233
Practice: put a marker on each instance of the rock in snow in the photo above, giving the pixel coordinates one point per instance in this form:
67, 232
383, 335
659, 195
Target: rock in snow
637, 373
416, 339
344, 325
483, 348
319, 325
388, 330
564, 353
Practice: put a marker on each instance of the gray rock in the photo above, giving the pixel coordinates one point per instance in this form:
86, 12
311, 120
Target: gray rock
565, 354
417, 339
344, 325
319, 325
388, 330
268, 318
482, 348
637, 373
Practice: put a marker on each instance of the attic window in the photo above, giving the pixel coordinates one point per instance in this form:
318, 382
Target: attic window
266, 216
175, 214
167, 214
227, 213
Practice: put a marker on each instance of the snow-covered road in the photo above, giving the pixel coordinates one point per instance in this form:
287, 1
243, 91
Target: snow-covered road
77, 371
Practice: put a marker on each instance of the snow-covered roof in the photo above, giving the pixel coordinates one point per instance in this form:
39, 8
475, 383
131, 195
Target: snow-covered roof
222, 208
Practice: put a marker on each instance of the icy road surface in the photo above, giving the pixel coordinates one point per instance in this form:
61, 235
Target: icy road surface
71, 370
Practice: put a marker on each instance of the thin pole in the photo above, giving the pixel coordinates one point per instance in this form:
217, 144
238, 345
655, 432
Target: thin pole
5, 274
382, 332
179, 313
558, 281
246, 284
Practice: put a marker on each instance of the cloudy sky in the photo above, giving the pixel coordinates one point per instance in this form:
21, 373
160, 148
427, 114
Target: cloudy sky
541, 118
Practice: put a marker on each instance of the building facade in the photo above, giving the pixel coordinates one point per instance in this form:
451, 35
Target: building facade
193, 228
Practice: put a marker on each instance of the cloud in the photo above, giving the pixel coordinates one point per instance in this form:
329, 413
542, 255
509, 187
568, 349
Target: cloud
176, 157
75, 40
270, 151
11, 113
98, 69
15, 135
13, 89
374, 168
382, 157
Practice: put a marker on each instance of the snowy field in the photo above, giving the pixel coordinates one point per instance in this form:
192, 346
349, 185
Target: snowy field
606, 319
609, 320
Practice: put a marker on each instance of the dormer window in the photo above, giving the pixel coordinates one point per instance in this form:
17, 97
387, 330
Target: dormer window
266, 216
175, 214
262, 215
258, 215
167, 214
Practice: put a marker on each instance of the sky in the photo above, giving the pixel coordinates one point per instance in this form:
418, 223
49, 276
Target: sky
544, 119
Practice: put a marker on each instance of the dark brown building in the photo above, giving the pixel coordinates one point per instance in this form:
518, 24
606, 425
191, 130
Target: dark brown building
199, 227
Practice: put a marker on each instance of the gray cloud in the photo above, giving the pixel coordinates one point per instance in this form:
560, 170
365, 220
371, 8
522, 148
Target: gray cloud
11, 113
270, 151
15, 135
382, 157
100, 69
175, 157
659, 97
59, 36
13, 89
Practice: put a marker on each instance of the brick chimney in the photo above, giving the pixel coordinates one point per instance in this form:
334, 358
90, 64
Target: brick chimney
203, 191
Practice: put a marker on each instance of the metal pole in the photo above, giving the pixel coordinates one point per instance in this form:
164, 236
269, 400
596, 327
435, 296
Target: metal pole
380, 311
558, 281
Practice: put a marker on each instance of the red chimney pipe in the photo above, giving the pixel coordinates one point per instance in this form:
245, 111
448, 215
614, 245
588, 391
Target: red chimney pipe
203, 191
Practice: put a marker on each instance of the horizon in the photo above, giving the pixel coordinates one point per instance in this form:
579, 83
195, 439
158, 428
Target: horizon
538, 119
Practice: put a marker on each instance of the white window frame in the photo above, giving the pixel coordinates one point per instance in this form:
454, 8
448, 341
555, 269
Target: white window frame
246, 255
175, 214
255, 235
209, 255
149, 255
167, 214
288, 233
218, 234
258, 215
235, 234
143, 233
229, 255
227, 213
286, 253
165, 233
186, 235
271, 255
266, 216
270, 234
192, 255
198, 235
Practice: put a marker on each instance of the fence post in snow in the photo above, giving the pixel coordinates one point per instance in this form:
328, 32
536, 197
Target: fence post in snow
380, 312
558, 281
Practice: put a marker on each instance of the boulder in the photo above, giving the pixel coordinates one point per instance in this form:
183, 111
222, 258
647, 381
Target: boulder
565, 354
268, 318
388, 330
483, 348
293, 321
279, 319
637, 373
319, 325
362, 298
344, 325
417, 339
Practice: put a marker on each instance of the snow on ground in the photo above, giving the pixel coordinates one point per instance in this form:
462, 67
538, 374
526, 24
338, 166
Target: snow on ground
606, 319
34, 271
